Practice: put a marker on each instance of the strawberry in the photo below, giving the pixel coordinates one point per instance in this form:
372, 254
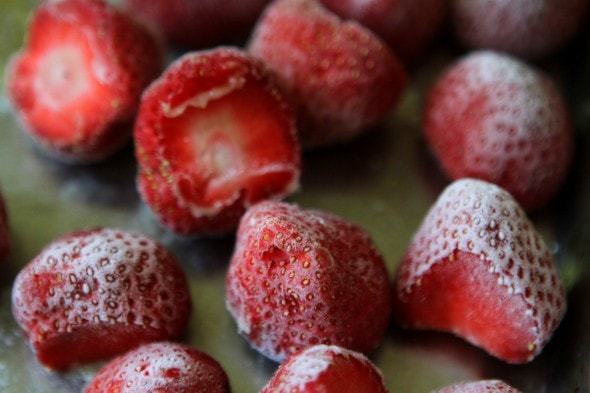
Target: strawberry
478, 268
193, 24
76, 83
4, 231
162, 367
493, 117
300, 277
408, 26
97, 293
341, 76
527, 28
213, 136
487, 386
323, 368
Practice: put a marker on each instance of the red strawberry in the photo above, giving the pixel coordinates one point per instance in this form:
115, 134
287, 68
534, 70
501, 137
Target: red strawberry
162, 367
342, 77
213, 136
478, 268
492, 117
77, 82
97, 293
488, 386
323, 368
524, 28
408, 26
198, 24
4, 231
299, 278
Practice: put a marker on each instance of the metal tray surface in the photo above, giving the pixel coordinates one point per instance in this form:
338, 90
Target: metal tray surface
384, 181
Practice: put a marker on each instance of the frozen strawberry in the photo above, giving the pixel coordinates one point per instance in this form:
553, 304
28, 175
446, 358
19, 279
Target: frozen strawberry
477, 267
341, 76
97, 293
76, 83
162, 367
213, 136
191, 24
493, 117
4, 231
300, 277
408, 26
488, 386
323, 368
524, 28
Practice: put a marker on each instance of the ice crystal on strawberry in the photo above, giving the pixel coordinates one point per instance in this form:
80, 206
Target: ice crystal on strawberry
493, 117
487, 386
478, 267
326, 368
163, 367
97, 293
341, 76
304, 277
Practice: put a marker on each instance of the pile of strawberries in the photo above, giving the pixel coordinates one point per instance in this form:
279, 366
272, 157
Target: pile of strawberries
219, 134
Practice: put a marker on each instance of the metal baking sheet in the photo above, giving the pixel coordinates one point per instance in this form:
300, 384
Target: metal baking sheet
384, 181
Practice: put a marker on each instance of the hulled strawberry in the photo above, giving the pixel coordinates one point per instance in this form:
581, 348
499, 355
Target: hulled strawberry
300, 277
162, 367
488, 386
323, 368
97, 293
525, 28
193, 24
493, 117
76, 83
340, 75
477, 267
408, 26
213, 136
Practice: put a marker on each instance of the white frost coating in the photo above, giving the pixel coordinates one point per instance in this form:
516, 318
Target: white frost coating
145, 368
92, 272
201, 100
477, 217
309, 364
516, 104
490, 386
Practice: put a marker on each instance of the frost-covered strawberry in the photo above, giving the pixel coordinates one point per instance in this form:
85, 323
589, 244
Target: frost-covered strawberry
300, 277
477, 267
408, 26
323, 368
488, 386
76, 84
5, 243
493, 117
213, 136
341, 76
162, 367
194, 24
524, 28
97, 293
